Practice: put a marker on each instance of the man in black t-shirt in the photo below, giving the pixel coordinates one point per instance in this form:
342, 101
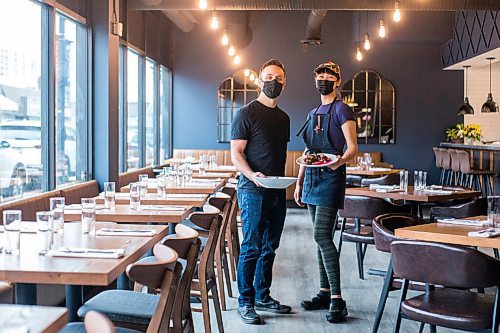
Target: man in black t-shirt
260, 134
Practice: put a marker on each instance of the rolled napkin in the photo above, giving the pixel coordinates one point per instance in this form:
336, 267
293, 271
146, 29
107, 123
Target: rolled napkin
385, 188
78, 252
205, 180
125, 232
186, 195
478, 223
73, 207
163, 208
378, 169
432, 191
201, 184
486, 233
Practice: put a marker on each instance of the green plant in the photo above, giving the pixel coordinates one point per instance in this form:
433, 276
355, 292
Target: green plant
455, 133
461, 131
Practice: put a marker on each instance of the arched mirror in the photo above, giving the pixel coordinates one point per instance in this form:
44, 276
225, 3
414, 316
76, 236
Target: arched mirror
233, 93
373, 100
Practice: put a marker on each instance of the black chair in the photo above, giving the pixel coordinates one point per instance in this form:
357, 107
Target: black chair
391, 179
473, 208
383, 234
455, 267
363, 210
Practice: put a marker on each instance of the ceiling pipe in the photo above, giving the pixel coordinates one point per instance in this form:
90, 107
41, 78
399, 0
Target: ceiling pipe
182, 19
364, 5
313, 28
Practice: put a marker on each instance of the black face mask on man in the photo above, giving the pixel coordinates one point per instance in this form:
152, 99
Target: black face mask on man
272, 89
325, 87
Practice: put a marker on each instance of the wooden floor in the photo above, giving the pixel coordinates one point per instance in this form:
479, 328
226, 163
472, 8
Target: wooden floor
296, 278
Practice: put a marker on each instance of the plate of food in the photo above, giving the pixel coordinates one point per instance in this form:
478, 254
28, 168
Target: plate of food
316, 160
276, 182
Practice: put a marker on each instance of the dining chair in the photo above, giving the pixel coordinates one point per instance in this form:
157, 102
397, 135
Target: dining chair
472, 178
439, 162
138, 310
456, 174
363, 210
232, 235
391, 179
95, 322
476, 207
383, 234
446, 164
455, 267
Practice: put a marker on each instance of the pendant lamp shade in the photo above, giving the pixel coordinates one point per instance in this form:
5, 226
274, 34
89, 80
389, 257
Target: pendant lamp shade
490, 105
466, 108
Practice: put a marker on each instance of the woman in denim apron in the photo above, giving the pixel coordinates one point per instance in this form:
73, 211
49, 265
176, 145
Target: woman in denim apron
328, 129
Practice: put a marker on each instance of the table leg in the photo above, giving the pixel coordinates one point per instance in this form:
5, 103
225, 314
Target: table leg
74, 299
171, 228
26, 293
123, 282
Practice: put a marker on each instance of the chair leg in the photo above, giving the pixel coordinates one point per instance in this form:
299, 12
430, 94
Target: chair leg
220, 278
421, 328
432, 329
383, 298
205, 307
342, 228
217, 308
402, 297
335, 223
227, 277
359, 253
497, 255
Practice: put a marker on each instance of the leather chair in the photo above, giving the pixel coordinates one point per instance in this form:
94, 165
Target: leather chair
126, 178
455, 267
74, 194
474, 208
391, 179
363, 210
383, 234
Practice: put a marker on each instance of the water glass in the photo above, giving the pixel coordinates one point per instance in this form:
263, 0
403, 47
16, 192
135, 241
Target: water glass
360, 162
143, 183
188, 172
214, 162
416, 180
166, 173
57, 209
88, 215
368, 160
180, 177
12, 231
44, 228
135, 196
494, 210
161, 186
423, 179
109, 195
403, 180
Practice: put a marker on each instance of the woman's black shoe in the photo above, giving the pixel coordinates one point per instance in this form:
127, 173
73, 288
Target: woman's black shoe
337, 312
318, 302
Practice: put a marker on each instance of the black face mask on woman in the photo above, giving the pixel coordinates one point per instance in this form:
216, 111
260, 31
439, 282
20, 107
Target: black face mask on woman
325, 87
272, 89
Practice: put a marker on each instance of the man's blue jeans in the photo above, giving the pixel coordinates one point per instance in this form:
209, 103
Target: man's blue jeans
263, 216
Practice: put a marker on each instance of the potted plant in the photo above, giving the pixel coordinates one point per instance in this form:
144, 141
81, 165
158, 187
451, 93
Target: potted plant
455, 134
472, 133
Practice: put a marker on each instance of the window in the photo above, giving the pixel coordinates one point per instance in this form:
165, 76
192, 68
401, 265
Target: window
22, 89
165, 114
133, 142
151, 113
71, 116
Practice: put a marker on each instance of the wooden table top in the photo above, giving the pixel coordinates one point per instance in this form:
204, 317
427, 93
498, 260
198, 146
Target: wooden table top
32, 319
219, 168
30, 267
448, 233
412, 195
123, 214
370, 172
195, 200
175, 160
191, 188
213, 175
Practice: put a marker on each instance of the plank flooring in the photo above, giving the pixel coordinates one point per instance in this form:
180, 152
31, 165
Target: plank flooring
296, 278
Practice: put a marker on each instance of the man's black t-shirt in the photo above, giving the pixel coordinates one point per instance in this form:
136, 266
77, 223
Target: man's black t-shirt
267, 131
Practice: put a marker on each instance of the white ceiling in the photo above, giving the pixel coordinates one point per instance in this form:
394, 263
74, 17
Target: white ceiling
477, 61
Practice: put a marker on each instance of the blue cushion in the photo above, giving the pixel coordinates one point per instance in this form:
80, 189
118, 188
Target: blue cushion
152, 259
190, 224
80, 328
123, 305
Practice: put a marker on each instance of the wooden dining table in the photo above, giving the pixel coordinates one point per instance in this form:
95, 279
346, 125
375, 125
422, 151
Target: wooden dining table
213, 175
189, 188
195, 200
32, 319
28, 268
371, 172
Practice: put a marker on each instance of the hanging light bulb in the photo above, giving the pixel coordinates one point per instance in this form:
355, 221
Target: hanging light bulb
237, 60
252, 77
214, 22
231, 51
367, 42
256, 81
466, 108
359, 55
203, 4
381, 29
247, 73
397, 12
490, 105
225, 38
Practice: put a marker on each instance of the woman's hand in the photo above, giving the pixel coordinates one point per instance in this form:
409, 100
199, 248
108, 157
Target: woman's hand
297, 195
337, 164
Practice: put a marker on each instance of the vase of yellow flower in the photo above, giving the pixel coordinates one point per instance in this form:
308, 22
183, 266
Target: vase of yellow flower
472, 133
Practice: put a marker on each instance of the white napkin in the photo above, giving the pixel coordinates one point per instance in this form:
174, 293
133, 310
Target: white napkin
73, 207
432, 191
378, 169
206, 180
125, 232
226, 167
385, 188
478, 223
200, 184
76, 252
163, 208
486, 233
184, 196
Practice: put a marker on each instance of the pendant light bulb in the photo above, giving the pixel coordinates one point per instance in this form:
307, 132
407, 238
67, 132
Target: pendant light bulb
203, 4
247, 73
214, 22
381, 29
256, 81
490, 105
231, 51
252, 77
465, 108
397, 12
367, 45
359, 55
225, 39
237, 60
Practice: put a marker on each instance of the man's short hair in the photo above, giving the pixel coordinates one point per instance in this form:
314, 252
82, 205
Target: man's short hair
272, 62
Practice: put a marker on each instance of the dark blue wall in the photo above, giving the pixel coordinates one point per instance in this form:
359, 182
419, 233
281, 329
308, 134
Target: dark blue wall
409, 57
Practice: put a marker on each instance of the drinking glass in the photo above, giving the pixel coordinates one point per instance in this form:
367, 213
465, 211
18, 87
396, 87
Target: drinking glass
57, 208
180, 177
188, 172
359, 162
203, 164
143, 183
88, 215
189, 155
368, 160
109, 195
403, 180
44, 228
423, 179
494, 210
161, 186
214, 162
12, 231
416, 180
166, 173
135, 196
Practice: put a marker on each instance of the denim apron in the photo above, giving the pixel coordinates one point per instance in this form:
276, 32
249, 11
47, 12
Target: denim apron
322, 186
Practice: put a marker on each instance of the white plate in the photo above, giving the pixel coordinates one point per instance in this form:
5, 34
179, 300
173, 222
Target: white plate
276, 182
300, 161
